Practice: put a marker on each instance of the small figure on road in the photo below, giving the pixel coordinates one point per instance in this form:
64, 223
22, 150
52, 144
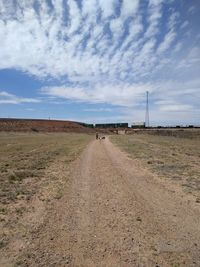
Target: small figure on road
97, 136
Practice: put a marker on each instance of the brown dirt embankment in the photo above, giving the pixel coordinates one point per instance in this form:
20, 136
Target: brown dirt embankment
33, 125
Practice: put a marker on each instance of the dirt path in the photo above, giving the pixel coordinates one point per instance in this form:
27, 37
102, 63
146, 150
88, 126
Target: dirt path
115, 214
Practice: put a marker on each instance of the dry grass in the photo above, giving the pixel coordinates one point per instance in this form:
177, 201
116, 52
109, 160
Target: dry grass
169, 157
24, 156
32, 166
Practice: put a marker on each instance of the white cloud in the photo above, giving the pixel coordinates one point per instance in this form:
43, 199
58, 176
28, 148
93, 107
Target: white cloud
98, 109
89, 7
154, 17
173, 20
7, 98
117, 27
107, 7
184, 24
155, 2
75, 17
168, 40
129, 8
122, 95
30, 109
72, 41
178, 47
192, 9
172, 105
192, 58
175, 107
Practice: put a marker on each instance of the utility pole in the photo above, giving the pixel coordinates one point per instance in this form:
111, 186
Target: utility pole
147, 110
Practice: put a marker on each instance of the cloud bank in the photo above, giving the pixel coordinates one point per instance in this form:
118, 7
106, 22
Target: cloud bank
86, 40
105, 51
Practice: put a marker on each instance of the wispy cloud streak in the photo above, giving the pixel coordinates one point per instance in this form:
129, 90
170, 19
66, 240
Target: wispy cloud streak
7, 98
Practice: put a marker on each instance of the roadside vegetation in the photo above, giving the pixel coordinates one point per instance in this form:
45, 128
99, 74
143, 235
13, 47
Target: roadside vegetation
33, 172
167, 156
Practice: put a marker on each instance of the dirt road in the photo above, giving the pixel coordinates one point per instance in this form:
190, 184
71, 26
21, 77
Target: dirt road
115, 214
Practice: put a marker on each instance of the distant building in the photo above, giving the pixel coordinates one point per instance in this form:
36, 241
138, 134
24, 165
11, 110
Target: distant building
138, 125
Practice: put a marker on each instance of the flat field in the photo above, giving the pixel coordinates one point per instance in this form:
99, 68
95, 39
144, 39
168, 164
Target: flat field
169, 157
72, 200
33, 172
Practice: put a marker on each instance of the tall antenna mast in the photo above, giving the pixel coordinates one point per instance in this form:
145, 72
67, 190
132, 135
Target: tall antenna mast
147, 110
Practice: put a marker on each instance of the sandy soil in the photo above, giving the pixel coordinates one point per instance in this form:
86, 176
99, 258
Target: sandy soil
113, 213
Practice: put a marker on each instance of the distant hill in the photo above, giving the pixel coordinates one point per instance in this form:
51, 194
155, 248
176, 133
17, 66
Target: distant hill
39, 125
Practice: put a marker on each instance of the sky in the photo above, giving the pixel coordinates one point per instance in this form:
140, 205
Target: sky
94, 60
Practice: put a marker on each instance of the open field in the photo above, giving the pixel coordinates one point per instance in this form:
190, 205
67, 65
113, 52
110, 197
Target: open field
33, 170
70, 200
190, 133
170, 157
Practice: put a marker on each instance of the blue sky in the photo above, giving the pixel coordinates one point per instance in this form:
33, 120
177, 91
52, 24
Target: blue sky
94, 60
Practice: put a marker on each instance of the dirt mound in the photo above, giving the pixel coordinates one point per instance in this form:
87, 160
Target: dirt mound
33, 125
